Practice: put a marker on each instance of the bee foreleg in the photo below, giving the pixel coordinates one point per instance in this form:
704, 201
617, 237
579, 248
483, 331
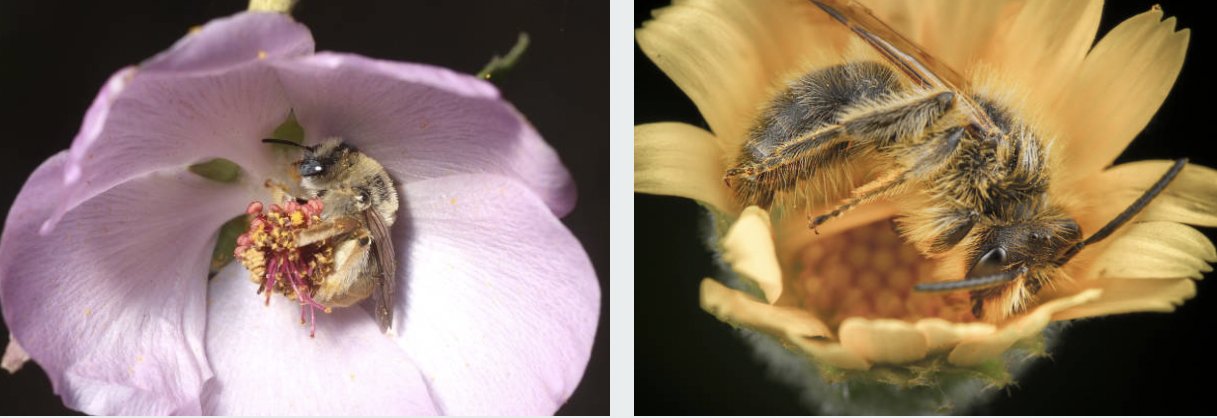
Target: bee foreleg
279, 192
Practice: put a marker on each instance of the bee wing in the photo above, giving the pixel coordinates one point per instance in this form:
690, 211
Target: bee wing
384, 261
909, 58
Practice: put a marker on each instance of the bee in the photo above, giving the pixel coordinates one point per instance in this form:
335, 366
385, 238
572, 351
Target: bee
359, 204
975, 176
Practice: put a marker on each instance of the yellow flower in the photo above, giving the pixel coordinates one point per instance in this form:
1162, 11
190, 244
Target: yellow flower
843, 297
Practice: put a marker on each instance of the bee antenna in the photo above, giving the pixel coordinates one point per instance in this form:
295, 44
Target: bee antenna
285, 142
1128, 213
972, 283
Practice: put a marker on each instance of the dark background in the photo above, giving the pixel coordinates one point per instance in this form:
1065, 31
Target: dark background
688, 363
55, 56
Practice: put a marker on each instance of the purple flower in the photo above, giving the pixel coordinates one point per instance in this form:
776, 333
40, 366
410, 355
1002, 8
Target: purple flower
105, 253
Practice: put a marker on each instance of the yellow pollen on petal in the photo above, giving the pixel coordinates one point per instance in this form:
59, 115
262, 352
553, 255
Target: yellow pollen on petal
261, 55
869, 272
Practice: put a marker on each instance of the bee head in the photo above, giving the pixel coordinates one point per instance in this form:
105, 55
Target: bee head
1000, 253
326, 160
322, 160
1032, 244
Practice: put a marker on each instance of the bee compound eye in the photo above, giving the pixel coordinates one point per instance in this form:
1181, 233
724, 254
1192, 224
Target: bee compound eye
989, 264
994, 256
310, 168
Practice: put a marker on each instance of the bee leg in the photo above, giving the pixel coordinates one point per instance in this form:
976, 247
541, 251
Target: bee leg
927, 158
866, 127
756, 182
279, 192
329, 229
346, 285
870, 191
898, 118
978, 298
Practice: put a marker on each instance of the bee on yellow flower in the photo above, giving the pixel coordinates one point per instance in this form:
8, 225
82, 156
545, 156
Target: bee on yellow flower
844, 298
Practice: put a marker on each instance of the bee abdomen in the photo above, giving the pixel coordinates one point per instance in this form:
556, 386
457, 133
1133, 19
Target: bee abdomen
817, 100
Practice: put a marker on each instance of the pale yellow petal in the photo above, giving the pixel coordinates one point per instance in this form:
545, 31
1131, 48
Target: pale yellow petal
942, 335
1044, 45
955, 32
676, 159
1037, 44
976, 349
1132, 295
833, 354
728, 55
793, 326
1154, 250
736, 308
1119, 87
890, 341
1191, 198
748, 247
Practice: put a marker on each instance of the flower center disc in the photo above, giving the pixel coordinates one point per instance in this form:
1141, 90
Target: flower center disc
869, 272
278, 263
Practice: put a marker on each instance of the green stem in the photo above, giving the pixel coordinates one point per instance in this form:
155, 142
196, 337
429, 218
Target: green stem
280, 6
499, 65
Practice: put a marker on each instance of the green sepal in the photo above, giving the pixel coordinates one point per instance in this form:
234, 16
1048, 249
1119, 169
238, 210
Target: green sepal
217, 169
226, 243
289, 130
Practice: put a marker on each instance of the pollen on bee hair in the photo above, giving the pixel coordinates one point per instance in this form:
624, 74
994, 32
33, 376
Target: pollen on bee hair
277, 263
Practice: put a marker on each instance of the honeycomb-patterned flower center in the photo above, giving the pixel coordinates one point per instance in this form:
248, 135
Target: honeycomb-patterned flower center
869, 272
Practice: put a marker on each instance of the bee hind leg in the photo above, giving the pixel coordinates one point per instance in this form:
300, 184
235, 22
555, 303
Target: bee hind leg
331, 228
927, 159
870, 126
757, 182
900, 117
346, 285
